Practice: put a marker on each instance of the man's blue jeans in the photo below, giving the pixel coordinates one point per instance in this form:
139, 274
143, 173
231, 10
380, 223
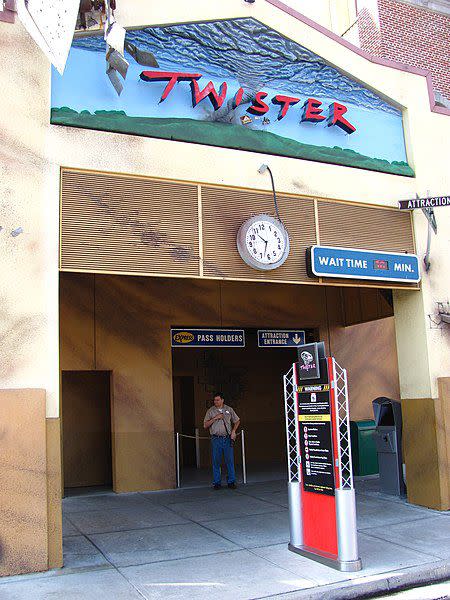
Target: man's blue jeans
222, 446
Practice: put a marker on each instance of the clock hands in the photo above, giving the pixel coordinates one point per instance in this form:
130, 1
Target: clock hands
265, 241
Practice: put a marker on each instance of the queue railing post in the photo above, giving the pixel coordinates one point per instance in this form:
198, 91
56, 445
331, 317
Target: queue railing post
197, 447
178, 459
244, 466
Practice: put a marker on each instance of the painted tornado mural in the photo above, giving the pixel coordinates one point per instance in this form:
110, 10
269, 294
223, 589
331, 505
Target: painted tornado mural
235, 84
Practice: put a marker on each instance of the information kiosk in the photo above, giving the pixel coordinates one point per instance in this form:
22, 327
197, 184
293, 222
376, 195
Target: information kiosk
322, 513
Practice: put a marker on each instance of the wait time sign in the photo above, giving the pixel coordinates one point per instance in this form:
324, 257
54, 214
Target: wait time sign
351, 263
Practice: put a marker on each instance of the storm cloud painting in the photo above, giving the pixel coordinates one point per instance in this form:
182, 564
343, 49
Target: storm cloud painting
235, 84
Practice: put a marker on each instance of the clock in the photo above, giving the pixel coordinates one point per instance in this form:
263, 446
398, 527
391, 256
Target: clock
263, 242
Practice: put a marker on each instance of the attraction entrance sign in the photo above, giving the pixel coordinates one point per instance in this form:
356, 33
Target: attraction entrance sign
322, 513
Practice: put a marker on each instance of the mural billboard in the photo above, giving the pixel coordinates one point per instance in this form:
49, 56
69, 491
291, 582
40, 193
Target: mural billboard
234, 84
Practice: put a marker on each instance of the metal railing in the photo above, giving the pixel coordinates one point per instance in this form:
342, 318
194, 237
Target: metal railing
197, 437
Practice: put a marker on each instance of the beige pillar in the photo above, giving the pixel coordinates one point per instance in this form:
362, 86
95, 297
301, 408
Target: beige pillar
424, 367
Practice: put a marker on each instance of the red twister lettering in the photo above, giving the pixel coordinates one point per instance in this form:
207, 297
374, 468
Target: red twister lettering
312, 111
238, 97
170, 76
285, 102
335, 117
259, 107
209, 91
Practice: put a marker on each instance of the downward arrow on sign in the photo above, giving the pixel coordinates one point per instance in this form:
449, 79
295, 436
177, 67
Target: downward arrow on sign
297, 339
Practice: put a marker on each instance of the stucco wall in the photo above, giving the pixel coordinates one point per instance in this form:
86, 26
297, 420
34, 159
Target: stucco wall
33, 152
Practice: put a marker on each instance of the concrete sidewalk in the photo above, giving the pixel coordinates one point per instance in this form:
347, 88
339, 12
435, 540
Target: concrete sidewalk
198, 542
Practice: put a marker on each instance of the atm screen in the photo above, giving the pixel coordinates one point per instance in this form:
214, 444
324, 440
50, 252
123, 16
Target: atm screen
386, 415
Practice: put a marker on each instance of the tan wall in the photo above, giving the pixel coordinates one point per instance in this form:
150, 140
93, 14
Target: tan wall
369, 354
130, 336
23, 473
427, 448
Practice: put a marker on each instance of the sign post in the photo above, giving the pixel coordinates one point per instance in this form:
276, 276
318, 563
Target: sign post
322, 513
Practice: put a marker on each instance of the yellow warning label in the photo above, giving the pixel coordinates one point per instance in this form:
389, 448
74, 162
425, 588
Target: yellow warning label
313, 388
314, 418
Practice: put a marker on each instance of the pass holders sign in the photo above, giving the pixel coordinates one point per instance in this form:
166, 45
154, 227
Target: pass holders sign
351, 263
280, 338
202, 338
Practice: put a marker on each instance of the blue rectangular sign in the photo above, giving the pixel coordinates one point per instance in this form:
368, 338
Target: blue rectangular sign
280, 338
350, 263
201, 338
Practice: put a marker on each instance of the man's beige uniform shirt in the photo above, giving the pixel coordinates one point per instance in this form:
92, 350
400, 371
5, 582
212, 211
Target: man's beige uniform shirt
221, 426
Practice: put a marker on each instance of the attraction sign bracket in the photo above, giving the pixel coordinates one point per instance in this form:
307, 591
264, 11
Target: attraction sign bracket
427, 205
432, 225
428, 211
322, 512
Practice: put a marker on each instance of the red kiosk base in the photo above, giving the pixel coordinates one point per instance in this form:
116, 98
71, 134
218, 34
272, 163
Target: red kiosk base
322, 514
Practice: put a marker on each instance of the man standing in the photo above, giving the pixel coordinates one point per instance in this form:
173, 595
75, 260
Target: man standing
222, 422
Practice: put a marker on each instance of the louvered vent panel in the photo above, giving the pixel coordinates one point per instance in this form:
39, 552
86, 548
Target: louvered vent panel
225, 210
364, 227
126, 224
367, 228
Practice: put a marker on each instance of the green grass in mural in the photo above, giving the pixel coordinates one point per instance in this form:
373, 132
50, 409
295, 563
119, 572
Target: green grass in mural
222, 134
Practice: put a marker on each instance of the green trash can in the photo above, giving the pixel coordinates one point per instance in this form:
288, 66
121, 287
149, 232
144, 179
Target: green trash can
364, 451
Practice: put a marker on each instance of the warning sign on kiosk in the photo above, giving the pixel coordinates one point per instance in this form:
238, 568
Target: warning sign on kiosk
314, 416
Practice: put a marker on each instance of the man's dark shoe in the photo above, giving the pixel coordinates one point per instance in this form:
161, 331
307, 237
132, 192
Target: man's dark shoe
232, 486
217, 486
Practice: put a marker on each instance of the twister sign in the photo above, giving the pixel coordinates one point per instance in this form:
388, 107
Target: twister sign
234, 84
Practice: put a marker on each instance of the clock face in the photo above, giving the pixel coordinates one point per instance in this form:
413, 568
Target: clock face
265, 242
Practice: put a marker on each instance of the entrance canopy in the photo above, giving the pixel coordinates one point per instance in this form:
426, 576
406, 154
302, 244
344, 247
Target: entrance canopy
145, 226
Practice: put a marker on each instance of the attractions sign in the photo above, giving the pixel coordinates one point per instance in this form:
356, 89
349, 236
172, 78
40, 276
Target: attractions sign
350, 263
434, 202
236, 84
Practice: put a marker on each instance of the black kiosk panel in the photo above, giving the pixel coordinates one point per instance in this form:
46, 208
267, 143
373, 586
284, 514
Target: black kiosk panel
314, 413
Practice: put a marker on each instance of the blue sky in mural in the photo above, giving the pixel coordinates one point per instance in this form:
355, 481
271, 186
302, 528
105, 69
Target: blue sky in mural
244, 53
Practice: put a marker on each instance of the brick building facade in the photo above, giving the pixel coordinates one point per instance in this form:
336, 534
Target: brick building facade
412, 32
